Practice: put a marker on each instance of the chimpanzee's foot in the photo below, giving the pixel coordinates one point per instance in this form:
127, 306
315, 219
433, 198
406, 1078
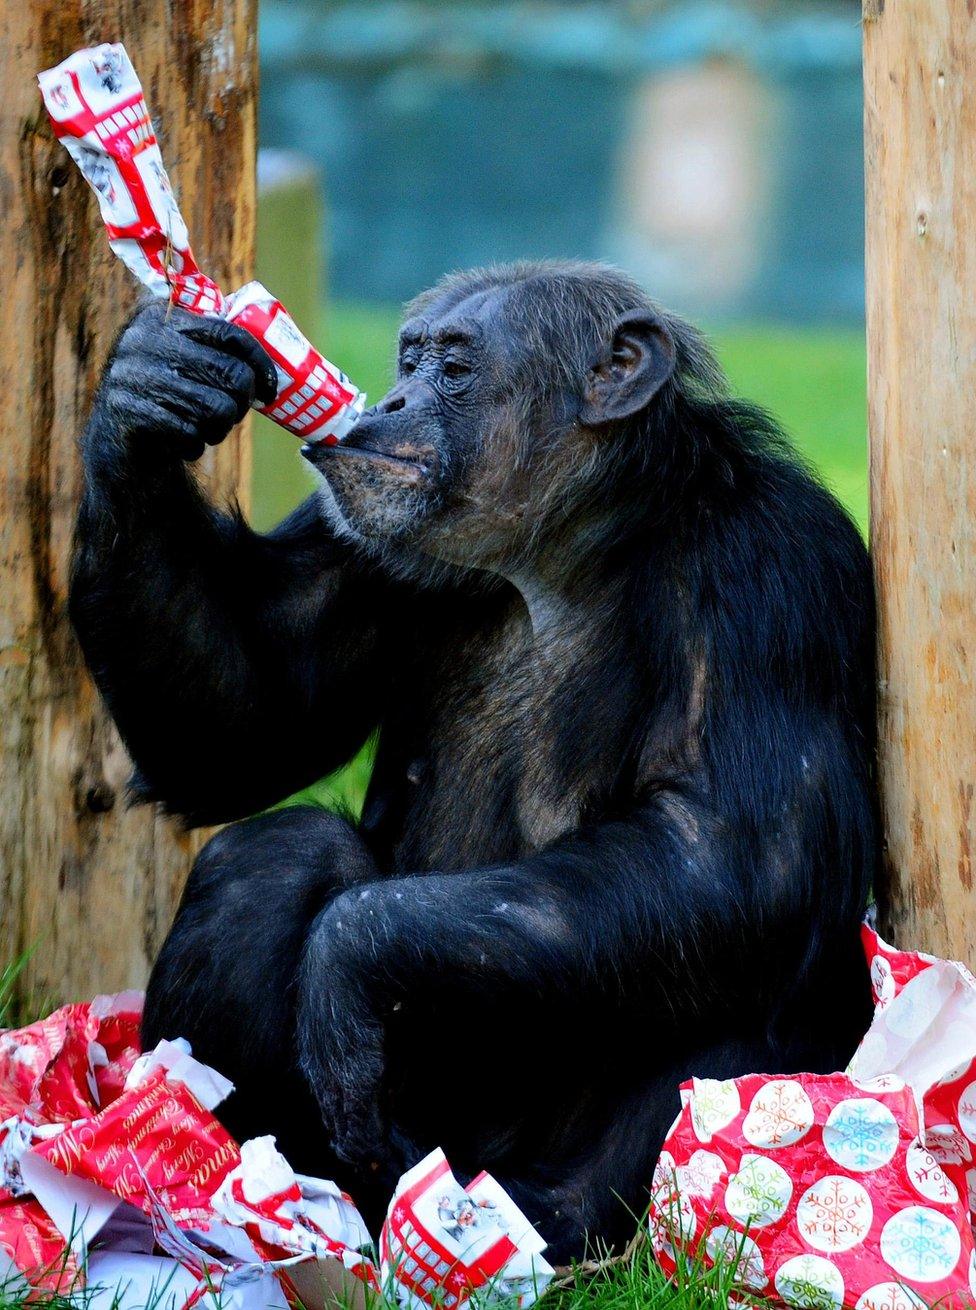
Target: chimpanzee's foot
225, 976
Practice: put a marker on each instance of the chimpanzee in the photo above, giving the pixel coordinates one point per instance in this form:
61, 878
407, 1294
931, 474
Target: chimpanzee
616, 646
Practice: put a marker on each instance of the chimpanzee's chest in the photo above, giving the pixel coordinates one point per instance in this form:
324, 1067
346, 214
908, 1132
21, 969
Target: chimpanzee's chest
480, 758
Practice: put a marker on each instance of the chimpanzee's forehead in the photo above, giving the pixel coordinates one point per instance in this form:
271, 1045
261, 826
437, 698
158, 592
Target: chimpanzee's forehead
478, 317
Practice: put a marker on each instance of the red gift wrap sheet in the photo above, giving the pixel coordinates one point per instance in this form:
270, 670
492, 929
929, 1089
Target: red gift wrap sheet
118, 1177
848, 1190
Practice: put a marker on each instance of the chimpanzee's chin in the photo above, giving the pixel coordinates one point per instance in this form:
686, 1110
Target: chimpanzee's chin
369, 517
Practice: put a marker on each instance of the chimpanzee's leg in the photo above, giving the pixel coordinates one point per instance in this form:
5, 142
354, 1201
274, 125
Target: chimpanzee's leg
225, 976
585, 1199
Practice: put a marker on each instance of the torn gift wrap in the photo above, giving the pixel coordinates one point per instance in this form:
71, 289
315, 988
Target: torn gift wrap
842, 1190
153, 1193
158, 1144
98, 110
144, 1195
71, 1063
443, 1243
33, 1252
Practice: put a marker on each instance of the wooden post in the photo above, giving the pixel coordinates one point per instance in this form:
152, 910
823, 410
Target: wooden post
920, 133
88, 882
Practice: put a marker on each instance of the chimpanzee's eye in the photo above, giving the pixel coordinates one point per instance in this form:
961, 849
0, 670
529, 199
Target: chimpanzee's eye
456, 368
408, 361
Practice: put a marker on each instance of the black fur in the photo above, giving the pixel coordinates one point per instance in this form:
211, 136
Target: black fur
620, 829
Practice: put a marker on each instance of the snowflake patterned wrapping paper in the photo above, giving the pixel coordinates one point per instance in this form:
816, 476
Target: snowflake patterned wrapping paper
844, 1190
98, 110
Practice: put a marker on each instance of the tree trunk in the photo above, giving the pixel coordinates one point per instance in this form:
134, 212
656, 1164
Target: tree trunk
86, 882
920, 132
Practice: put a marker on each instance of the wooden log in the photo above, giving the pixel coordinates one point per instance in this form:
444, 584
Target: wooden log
920, 138
87, 882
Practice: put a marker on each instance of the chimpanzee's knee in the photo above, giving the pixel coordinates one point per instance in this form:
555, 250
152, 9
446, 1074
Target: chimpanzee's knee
225, 976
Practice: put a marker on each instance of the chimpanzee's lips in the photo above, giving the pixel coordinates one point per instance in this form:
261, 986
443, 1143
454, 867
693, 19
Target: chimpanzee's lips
317, 452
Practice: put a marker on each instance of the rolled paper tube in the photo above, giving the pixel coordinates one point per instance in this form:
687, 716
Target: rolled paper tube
315, 400
96, 104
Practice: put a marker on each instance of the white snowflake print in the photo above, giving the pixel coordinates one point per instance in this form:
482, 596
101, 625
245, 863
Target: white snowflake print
889, 1296
967, 1111
947, 1144
671, 1222
884, 1082
671, 1219
928, 1177
665, 1172
728, 1244
834, 1214
882, 982
921, 1244
779, 1115
758, 1195
699, 1176
714, 1105
861, 1134
810, 1282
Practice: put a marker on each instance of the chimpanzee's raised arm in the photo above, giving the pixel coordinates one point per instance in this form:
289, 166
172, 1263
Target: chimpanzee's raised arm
236, 666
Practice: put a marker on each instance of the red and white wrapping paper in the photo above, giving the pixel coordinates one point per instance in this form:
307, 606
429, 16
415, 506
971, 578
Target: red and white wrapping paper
52, 1072
97, 107
848, 1190
119, 1178
315, 400
441, 1242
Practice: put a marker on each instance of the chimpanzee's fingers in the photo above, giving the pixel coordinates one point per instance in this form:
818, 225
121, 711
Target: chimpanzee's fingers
212, 411
342, 1060
233, 340
359, 1135
137, 415
170, 333
166, 357
213, 368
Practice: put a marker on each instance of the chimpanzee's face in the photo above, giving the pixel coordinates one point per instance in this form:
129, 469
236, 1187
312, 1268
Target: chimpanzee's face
498, 420
444, 461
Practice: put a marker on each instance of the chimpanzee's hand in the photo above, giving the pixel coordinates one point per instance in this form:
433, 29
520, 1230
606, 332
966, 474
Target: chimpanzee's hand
181, 380
341, 1031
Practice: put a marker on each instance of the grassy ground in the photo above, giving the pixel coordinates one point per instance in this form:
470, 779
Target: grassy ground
812, 380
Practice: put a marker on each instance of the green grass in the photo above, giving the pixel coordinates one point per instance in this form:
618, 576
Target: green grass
812, 380
632, 1281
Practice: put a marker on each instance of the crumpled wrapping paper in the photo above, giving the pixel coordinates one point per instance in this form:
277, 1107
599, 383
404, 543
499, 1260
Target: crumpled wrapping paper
846, 1190
453, 1241
117, 1176
98, 110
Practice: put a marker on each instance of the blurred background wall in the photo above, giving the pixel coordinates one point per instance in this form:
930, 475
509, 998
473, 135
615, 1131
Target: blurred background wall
713, 148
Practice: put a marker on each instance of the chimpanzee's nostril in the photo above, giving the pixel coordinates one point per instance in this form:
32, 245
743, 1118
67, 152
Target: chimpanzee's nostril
391, 405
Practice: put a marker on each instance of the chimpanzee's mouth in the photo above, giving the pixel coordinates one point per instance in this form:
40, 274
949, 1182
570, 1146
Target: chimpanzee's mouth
316, 453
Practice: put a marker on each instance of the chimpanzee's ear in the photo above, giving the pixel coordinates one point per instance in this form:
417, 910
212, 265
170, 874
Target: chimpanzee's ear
630, 369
